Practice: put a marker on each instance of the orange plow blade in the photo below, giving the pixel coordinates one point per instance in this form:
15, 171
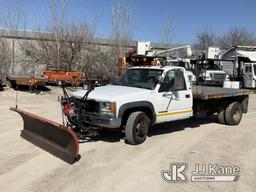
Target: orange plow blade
50, 136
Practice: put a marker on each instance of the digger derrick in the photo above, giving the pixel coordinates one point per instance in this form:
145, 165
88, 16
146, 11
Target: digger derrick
52, 137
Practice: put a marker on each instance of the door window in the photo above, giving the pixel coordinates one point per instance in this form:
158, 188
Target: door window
173, 81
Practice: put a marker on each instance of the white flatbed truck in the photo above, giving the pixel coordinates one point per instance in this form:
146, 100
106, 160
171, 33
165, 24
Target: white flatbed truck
145, 96
142, 97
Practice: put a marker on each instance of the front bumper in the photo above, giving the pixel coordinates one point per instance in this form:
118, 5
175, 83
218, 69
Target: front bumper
100, 121
213, 81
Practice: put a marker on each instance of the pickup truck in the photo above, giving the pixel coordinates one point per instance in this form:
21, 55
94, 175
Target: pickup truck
142, 97
149, 95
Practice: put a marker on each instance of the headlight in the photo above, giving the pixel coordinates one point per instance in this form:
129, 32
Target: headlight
107, 108
211, 76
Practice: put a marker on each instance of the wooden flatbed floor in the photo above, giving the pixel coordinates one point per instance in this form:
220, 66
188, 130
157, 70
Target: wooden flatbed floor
208, 92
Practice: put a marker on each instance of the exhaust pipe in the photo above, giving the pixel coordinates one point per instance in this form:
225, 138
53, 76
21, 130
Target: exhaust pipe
50, 136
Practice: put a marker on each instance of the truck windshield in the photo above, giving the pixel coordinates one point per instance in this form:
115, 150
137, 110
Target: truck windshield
210, 67
254, 68
142, 78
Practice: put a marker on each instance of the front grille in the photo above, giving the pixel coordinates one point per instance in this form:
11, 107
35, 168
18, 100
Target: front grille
91, 106
219, 77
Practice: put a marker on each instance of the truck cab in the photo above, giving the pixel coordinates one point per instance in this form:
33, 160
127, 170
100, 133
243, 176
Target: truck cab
249, 75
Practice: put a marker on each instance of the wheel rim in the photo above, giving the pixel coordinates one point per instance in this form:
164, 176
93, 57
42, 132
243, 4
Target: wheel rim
141, 128
237, 115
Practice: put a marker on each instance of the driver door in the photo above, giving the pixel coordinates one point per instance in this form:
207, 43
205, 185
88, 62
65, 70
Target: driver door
176, 97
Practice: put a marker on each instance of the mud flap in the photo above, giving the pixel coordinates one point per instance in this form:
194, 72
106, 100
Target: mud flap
52, 137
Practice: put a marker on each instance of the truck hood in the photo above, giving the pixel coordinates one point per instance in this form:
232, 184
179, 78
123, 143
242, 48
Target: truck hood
212, 71
111, 92
215, 71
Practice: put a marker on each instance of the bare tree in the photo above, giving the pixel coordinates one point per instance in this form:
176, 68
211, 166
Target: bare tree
73, 46
121, 26
65, 44
167, 32
237, 36
5, 57
104, 59
13, 18
206, 38
61, 54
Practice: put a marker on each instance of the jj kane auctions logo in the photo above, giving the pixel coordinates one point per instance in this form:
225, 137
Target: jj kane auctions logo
202, 173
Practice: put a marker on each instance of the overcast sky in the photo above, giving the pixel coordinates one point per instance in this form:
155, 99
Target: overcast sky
190, 16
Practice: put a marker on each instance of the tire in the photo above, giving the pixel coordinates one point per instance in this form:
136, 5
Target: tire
234, 114
136, 129
221, 116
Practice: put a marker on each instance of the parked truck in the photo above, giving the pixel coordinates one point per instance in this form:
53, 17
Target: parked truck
209, 72
142, 97
240, 64
207, 67
145, 55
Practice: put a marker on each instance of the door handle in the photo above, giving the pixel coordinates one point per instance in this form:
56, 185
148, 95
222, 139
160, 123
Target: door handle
188, 96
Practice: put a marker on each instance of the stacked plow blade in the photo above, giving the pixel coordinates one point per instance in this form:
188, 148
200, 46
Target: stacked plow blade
52, 137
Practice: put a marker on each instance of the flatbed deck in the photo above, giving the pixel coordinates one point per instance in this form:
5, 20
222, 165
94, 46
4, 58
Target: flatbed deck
208, 92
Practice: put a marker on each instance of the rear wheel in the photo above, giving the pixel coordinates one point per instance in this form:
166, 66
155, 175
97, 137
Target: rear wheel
137, 128
221, 116
234, 113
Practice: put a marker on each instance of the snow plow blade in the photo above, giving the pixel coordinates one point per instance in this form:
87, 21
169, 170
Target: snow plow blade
50, 136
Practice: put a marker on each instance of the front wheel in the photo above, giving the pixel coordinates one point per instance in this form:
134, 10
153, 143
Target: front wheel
136, 129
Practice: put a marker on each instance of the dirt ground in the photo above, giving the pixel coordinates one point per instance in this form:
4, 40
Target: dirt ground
109, 164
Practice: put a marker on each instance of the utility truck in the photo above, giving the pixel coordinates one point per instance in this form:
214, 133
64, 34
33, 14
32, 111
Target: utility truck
240, 64
142, 97
207, 67
145, 55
